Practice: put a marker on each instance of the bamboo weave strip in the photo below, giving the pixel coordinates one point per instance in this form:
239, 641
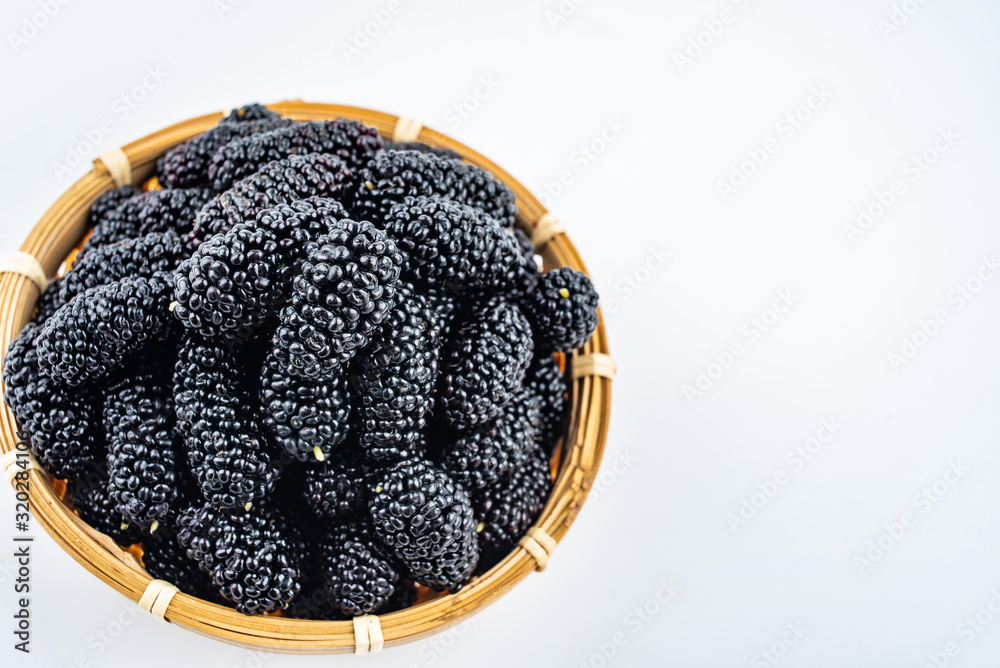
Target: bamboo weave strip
594, 364
11, 463
156, 599
27, 265
539, 545
406, 130
368, 638
545, 230
118, 166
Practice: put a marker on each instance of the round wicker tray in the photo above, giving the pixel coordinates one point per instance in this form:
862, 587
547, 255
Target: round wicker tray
59, 231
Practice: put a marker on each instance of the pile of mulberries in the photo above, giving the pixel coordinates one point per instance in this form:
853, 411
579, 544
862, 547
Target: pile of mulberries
304, 370
154, 211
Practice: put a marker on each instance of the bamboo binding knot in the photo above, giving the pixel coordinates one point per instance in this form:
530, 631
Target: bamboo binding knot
27, 265
11, 463
594, 364
406, 130
156, 599
545, 230
118, 166
368, 635
539, 545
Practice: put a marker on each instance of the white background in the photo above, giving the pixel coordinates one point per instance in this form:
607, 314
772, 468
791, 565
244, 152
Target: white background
684, 466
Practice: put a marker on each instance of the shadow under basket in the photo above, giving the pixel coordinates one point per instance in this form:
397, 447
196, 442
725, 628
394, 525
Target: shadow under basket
590, 371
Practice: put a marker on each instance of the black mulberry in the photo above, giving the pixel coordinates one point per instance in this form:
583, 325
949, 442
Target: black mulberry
186, 165
485, 364
250, 112
426, 519
523, 276
404, 596
562, 310
165, 559
548, 383
507, 509
154, 211
92, 501
232, 284
482, 190
201, 368
480, 458
313, 602
306, 418
393, 175
297, 223
424, 148
342, 294
279, 182
335, 488
108, 202
351, 141
448, 307
225, 447
49, 302
60, 423
247, 555
454, 245
395, 378
139, 420
358, 577
95, 332
142, 256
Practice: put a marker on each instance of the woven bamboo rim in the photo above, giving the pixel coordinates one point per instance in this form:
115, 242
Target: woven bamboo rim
62, 227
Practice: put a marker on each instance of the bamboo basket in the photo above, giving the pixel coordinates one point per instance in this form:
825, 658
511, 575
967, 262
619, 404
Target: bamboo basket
591, 369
